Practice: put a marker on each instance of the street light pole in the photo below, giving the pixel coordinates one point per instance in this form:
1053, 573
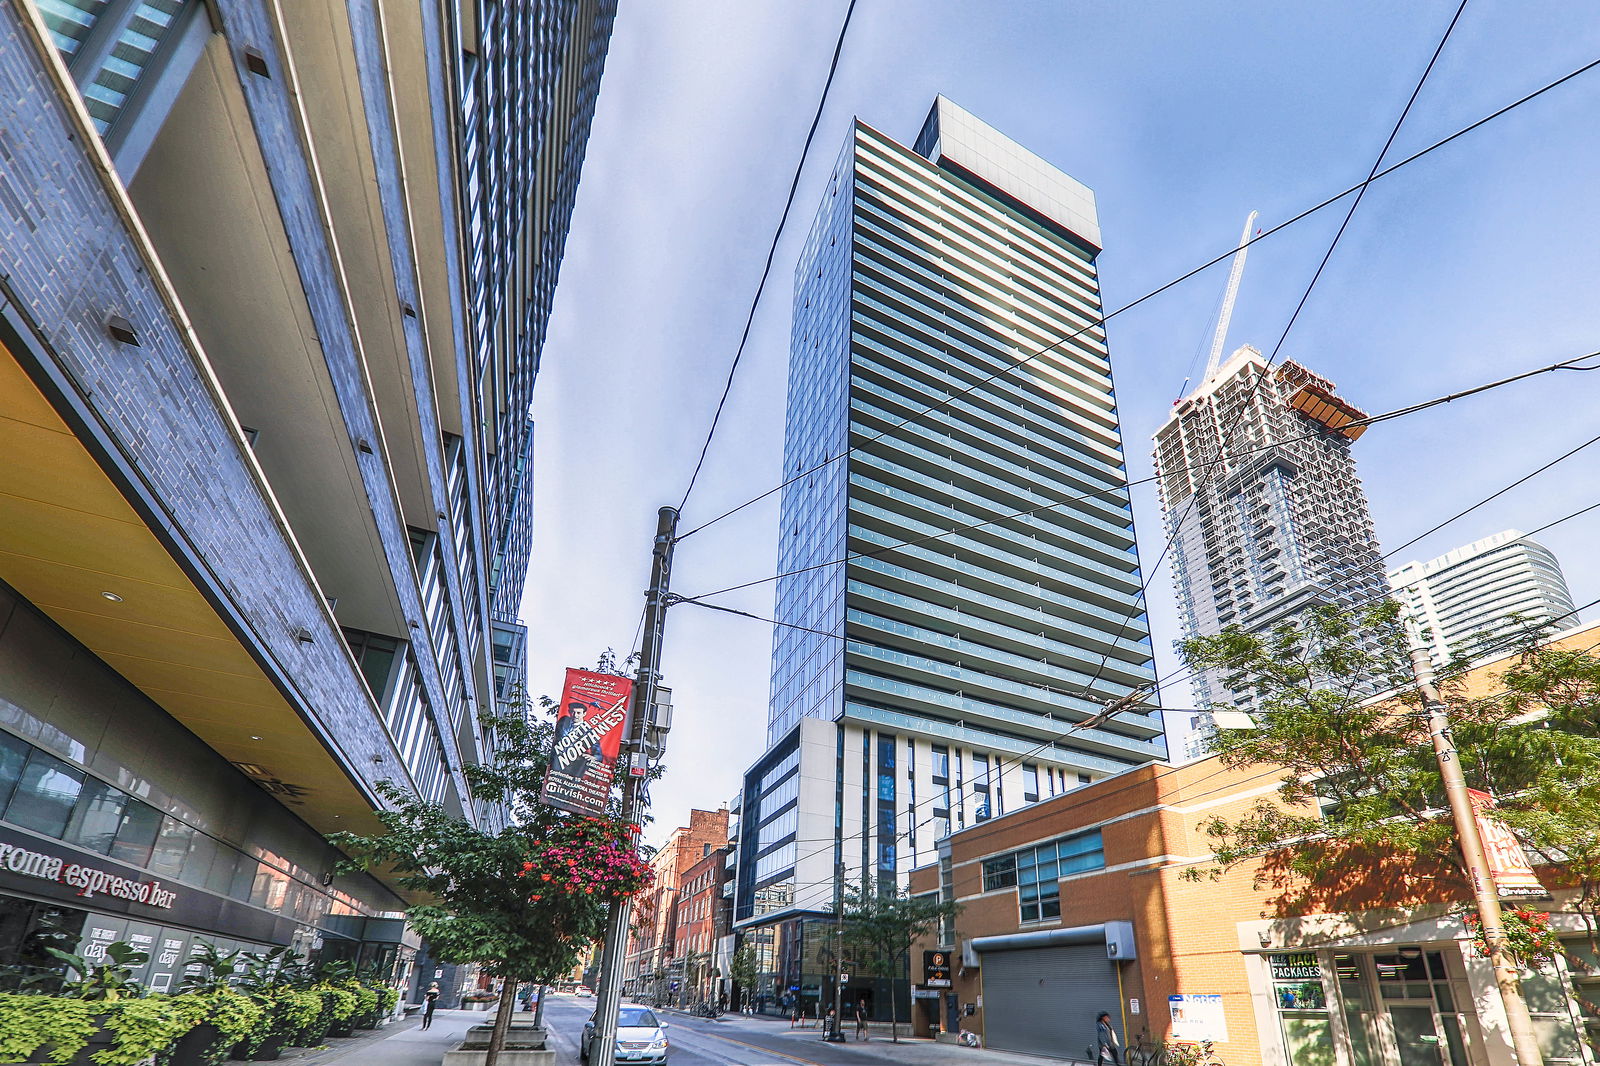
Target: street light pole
609, 992
1524, 1042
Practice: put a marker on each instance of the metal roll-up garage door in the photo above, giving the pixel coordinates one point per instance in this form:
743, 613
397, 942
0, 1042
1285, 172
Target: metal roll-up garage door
1043, 1000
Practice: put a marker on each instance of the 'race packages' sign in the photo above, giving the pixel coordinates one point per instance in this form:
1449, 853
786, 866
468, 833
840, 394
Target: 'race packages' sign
589, 729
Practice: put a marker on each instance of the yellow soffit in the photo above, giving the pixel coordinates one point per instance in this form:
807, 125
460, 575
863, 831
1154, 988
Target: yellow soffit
68, 537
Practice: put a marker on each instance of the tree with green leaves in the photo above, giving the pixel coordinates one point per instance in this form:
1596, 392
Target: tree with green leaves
1361, 814
745, 968
523, 902
880, 923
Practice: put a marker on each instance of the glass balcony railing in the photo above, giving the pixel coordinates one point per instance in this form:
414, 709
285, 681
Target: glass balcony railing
1115, 676
1114, 584
949, 594
986, 575
1117, 544
1092, 498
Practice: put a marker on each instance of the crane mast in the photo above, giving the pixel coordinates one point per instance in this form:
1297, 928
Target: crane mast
1228, 297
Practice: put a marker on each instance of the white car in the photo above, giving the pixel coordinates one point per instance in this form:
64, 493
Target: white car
641, 1037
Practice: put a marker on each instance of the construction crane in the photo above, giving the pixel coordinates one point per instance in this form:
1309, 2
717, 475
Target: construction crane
1228, 297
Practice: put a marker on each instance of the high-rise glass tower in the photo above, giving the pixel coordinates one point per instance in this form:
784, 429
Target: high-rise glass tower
1479, 596
990, 601
275, 286
1262, 504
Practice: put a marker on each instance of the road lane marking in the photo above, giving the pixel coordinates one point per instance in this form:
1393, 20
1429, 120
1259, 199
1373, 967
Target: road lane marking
758, 1047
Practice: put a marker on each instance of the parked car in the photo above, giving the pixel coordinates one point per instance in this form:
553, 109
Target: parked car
585, 990
641, 1037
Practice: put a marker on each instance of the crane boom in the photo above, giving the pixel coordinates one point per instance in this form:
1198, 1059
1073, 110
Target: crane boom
1228, 297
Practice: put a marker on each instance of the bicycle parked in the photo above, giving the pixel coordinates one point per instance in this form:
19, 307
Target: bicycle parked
1144, 1053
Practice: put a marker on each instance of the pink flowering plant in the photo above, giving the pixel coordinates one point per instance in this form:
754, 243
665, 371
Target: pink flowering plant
521, 902
1529, 937
588, 857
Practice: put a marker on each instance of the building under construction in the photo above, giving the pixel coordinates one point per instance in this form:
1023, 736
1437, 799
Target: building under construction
1261, 502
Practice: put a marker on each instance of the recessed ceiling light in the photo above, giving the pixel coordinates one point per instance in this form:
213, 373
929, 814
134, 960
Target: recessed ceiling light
255, 738
112, 596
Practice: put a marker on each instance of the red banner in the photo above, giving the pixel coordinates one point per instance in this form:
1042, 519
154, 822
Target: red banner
1507, 862
589, 730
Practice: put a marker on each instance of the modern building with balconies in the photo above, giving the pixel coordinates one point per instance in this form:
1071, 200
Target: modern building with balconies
1476, 599
961, 591
1263, 507
273, 289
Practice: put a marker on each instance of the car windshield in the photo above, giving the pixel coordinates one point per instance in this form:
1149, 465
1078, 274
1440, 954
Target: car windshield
635, 1018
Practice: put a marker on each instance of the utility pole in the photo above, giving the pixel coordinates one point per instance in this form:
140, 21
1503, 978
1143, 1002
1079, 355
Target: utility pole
608, 994
835, 1033
1524, 1043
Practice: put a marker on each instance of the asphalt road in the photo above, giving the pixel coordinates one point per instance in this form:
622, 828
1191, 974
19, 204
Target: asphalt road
704, 1042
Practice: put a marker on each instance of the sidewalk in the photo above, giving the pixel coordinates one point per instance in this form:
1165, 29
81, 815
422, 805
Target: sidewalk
400, 1043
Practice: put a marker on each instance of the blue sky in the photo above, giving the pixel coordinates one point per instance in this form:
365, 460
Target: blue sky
1475, 262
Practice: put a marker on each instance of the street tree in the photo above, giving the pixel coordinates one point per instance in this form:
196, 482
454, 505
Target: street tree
745, 968
523, 901
880, 923
1361, 814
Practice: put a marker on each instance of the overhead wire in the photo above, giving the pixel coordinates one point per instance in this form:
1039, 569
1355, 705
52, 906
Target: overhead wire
1567, 364
1002, 764
1150, 574
1173, 283
772, 251
1161, 772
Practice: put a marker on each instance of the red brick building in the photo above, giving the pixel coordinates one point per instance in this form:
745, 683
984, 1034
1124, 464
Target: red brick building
699, 900
1088, 902
653, 962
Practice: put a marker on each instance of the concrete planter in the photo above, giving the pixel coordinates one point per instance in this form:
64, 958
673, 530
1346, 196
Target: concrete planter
525, 1046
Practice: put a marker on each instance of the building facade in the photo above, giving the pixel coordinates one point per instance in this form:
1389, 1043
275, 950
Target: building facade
1262, 505
654, 961
1474, 598
1089, 903
265, 525
699, 921
990, 601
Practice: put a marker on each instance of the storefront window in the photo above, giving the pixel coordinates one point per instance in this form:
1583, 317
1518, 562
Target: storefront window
1357, 1005
13, 756
1552, 1018
1302, 1008
45, 794
97, 816
141, 823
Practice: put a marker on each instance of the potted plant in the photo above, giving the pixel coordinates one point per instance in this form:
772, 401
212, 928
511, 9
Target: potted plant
388, 1000
366, 1004
271, 980
222, 1016
87, 1018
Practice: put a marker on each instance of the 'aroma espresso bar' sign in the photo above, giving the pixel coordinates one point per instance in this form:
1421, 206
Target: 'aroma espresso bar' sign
88, 880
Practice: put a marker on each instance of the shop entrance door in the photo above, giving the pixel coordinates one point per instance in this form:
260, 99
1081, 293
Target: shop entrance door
1416, 1035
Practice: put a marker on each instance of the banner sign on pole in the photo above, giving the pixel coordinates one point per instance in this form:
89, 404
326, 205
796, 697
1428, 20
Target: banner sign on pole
589, 728
1513, 877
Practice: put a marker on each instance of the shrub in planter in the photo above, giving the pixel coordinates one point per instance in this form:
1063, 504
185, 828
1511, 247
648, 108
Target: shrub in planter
388, 1000
366, 1012
220, 1019
339, 1007
88, 1017
54, 1027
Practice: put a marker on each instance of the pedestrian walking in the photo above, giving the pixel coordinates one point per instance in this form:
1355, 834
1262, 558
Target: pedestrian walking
1107, 1052
861, 1019
430, 1003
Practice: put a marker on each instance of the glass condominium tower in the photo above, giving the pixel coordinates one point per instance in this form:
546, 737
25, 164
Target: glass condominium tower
991, 598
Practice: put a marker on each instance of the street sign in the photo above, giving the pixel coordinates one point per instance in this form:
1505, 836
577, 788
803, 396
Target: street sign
936, 969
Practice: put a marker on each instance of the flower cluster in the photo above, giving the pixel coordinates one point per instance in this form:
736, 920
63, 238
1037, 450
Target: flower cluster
589, 857
1529, 936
